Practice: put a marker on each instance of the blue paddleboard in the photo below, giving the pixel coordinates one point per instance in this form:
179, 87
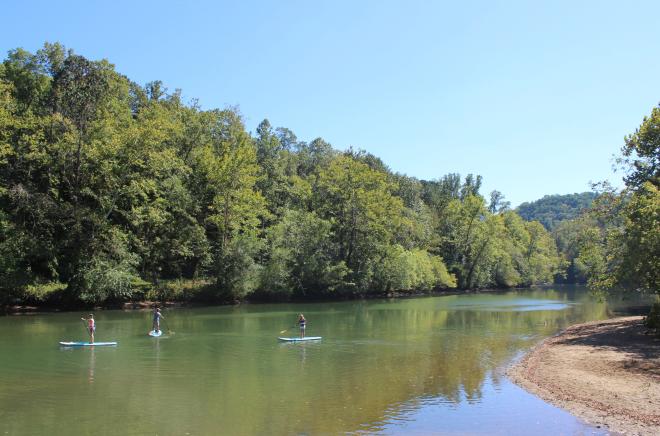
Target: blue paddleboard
155, 333
86, 344
308, 338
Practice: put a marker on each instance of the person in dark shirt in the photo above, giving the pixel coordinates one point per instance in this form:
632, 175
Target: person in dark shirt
302, 322
157, 318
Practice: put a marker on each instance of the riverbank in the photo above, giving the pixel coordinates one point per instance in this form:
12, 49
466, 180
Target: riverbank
605, 372
33, 307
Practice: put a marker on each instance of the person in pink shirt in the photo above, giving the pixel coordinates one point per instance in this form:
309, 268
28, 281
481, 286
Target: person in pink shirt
91, 327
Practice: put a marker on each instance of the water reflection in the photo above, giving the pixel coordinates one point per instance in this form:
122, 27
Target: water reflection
92, 365
416, 365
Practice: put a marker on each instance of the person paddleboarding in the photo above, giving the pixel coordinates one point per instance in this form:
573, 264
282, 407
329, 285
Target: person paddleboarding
91, 327
156, 320
302, 322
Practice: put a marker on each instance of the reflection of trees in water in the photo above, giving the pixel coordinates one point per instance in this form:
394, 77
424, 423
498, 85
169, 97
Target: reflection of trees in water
454, 351
391, 354
377, 359
433, 352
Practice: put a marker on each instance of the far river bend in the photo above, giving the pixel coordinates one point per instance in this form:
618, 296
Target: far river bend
400, 366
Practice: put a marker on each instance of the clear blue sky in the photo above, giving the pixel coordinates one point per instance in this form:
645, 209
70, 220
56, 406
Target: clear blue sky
535, 96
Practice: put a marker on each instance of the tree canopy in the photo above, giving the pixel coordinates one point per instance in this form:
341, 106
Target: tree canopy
110, 190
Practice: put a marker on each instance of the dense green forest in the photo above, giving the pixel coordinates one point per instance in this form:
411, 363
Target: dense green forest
553, 209
111, 191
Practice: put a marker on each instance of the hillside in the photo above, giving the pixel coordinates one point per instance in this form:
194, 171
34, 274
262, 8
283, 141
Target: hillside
552, 209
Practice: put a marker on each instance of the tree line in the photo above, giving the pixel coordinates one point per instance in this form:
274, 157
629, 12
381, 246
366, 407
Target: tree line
112, 191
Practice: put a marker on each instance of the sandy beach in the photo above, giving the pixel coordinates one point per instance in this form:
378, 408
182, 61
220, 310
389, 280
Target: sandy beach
605, 372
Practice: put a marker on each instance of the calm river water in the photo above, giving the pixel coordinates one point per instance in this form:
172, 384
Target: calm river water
422, 365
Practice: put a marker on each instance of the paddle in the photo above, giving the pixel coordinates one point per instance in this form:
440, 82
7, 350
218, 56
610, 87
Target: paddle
86, 328
284, 331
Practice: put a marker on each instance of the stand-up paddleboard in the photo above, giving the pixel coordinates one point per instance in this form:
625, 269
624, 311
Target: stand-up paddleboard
86, 344
308, 338
155, 333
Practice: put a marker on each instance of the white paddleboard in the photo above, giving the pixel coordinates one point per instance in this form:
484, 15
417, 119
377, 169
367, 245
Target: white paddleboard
308, 338
155, 333
86, 344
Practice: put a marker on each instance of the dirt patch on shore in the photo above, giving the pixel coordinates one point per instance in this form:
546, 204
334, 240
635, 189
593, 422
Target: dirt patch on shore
605, 372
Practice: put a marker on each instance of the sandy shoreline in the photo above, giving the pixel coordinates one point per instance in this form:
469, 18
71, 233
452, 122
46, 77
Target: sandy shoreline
605, 372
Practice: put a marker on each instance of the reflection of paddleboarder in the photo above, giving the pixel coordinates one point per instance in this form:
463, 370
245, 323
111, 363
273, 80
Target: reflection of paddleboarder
92, 363
302, 322
91, 327
157, 317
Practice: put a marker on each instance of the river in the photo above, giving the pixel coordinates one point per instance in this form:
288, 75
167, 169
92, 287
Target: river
399, 366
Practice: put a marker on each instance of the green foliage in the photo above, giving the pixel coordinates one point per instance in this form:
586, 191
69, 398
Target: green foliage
617, 243
359, 203
416, 270
301, 256
43, 292
641, 152
109, 273
652, 320
113, 191
552, 210
236, 270
640, 266
497, 203
486, 249
177, 290
623, 250
571, 236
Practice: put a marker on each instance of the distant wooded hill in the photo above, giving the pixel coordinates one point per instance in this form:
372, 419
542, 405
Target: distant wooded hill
552, 209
